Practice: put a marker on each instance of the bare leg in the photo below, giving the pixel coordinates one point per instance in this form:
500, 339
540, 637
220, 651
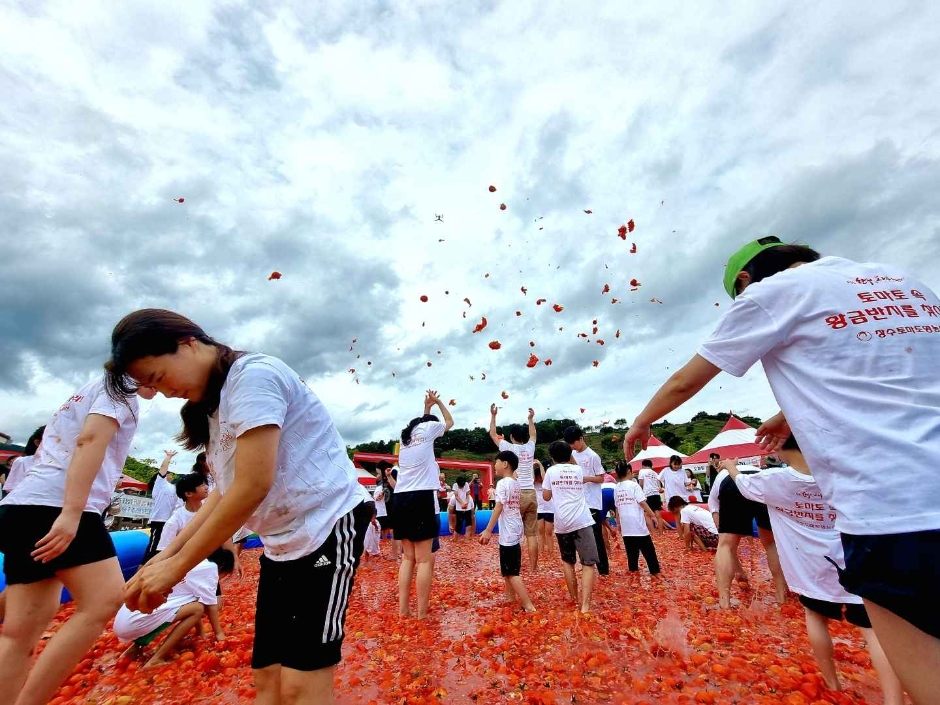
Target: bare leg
571, 580
268, 685
406, 572
423, 575
913, 654
588, 576
452, 521
213, 612
397, 549
98, 590
890, 685
773, 562
3, 604
32, 607
516, 585
697, 540
725, 562
817, 628
510, 595
187, 618
302, 687
532, 544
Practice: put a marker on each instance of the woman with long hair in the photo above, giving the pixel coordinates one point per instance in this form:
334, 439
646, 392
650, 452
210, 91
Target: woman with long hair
281, 469
414, 512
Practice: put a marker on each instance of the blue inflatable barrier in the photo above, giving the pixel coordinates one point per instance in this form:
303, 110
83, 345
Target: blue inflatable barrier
130, 547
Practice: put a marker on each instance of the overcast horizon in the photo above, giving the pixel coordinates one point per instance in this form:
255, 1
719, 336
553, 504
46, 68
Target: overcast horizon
177, 155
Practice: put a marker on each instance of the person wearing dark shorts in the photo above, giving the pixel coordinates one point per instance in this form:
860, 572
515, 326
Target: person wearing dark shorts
465, 521
735, 517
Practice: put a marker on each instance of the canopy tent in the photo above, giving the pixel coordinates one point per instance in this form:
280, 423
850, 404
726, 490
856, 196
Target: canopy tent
658, 452
735, 440
128, 482
365, 477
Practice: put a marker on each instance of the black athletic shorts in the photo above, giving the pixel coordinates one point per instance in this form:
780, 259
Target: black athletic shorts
301, 604
385, 522
581, 543
898, 572
23, 525
510, 560
737, 514
655, 502
546, 516
413, 516
464, 520
854, 613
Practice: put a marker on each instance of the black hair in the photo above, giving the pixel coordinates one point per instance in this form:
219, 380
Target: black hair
790, 443
560, 451
519, 432
188, 483
536, 473
676, 503
32, 445
622, 468
201, 466
507, 456
647, 463
714, 456
224, 560
406, 432
154, 332
461, 481
674, 459
572, 434
775, 260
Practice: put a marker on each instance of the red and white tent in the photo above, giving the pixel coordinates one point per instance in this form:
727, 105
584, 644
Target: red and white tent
365, 477
735, 440
658, 452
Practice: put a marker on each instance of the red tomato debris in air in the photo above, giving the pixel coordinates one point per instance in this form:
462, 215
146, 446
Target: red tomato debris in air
595, 363
468, 301
483, 375
582, 409
447, 292
352, 370
633, 249
558, 308
518, 313
588, 211
634, 282
369, 363
424, 299
452, 402
548, 362
480, 326
615, 301
594, 330
533, 361
504, 395
539, 302
274, 275
495, 345
429, 363
630, 225
531, 343
622, 232
523, 290
606, 289
717, 304
599, 341
655, 301
617, 335
180, 199
502, 206
492, 189
582, 335
594, 322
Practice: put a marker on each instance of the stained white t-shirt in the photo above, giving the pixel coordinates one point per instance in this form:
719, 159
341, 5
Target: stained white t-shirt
417, 466
379, 497
695, 514
566, 483
674, 483
850, 351
20, 467
650, 481
526, 454
630, 515
462, 499
590, 463
198, 585
543, 506
804, 526
174, 525
44, 484
510, 518
315, 483
164, 499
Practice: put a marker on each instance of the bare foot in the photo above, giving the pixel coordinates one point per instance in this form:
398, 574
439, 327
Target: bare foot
530, 609
132, 651
219, 636
154, 662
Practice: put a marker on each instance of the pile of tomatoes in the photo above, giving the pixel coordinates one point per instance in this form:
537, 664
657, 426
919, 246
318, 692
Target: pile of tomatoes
648, 640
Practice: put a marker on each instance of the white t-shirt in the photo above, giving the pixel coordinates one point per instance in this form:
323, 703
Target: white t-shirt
417, 466
543, 506
630, 515
198, 585
804, 528
315, 483
674, 483
164, 499
591, 466
650, 480
175, 524
379, 497
20, 467
510, 518
566, 483
463, 502
526, 454
44, 484
694, 514
850, 351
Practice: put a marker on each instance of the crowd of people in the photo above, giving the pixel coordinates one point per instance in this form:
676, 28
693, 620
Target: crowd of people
274, 463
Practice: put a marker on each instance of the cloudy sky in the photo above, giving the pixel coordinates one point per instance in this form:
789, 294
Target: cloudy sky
321, 140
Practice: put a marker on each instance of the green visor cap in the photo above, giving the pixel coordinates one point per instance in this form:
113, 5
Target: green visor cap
740, 259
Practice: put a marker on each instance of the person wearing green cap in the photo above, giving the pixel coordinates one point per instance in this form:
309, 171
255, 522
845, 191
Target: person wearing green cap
850, 351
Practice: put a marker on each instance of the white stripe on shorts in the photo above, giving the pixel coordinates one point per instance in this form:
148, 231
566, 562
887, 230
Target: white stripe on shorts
339, 592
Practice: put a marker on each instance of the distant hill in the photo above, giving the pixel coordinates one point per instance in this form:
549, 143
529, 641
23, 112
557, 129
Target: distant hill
475, 444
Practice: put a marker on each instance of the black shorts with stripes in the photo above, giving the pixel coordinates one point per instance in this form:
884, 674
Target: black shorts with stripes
301, 607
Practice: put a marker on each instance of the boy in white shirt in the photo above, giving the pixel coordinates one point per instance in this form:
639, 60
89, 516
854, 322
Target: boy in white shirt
649, 480
593, 472
563, 485
463, 507
510, 528
810, 549
694, 523
673, 479
632, 515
